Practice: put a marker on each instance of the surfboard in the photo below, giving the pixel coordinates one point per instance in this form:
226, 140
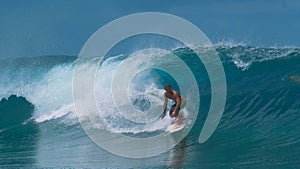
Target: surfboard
175, 127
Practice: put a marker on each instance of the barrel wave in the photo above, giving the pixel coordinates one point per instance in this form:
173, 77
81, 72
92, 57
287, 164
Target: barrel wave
260, 125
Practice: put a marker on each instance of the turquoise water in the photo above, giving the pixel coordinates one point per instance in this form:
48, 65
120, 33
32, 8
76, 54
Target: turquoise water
259, 129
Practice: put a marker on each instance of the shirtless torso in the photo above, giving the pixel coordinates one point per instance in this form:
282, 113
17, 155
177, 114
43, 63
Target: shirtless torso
175, 96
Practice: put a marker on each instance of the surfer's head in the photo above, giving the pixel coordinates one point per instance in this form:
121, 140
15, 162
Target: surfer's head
168, 87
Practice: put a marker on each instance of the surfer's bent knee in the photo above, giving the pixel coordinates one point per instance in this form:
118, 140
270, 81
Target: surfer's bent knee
172, 110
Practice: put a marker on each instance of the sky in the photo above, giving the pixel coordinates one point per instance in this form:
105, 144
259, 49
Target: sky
61, 27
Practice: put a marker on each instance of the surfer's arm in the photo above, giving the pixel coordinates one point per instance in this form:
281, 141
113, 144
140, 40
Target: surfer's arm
165, 107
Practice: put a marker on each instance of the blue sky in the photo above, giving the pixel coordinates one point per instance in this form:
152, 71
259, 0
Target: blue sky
33, 27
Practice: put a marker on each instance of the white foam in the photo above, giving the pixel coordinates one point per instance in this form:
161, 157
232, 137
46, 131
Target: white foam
52, 97
54, 114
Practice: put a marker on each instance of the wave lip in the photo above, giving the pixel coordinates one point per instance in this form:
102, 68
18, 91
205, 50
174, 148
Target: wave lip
244, 56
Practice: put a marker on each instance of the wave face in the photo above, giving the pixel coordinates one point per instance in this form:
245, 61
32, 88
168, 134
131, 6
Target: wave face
259, 128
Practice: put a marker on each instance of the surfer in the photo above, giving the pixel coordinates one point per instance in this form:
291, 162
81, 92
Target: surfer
175, 96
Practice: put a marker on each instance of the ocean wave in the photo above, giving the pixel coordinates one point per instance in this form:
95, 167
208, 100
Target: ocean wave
243, 55
48, 84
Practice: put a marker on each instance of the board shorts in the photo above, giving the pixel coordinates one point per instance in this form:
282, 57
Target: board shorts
182, 105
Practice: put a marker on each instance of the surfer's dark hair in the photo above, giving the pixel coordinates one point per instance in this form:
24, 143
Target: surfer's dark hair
167, 85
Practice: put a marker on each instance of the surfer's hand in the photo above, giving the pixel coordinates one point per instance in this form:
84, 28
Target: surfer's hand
163, 115
173, 114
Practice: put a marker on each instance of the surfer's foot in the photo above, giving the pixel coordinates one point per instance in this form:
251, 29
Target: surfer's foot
174, 120
178, 120
182, 117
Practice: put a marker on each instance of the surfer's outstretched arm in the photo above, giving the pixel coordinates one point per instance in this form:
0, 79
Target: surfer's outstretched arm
165, 106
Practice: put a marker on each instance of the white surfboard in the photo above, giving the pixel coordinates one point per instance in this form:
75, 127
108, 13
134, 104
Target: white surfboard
175, 127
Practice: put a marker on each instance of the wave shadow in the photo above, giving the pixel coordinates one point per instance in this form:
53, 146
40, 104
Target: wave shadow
18, 133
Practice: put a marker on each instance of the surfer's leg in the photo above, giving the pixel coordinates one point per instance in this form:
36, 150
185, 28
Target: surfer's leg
180, 119
175, 114
171, 110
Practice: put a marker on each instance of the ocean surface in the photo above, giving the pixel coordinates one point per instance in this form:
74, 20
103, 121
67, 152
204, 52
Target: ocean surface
260, 126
